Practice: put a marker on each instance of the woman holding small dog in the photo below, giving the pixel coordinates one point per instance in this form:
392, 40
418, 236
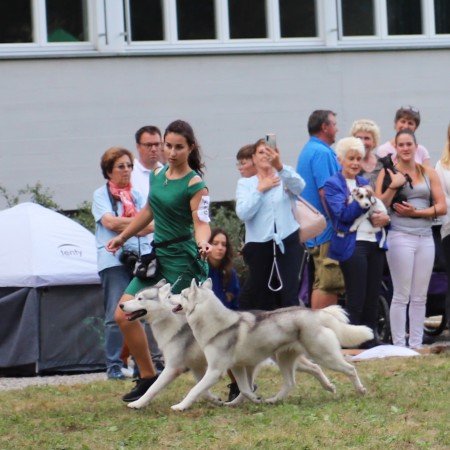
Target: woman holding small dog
410, 240
179, 205
360, 253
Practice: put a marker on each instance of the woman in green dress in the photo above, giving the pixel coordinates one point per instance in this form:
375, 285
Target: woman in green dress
179, 205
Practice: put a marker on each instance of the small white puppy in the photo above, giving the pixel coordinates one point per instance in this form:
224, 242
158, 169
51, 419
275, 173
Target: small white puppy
366, 199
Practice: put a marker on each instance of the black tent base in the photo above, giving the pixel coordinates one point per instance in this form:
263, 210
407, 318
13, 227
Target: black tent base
26, 370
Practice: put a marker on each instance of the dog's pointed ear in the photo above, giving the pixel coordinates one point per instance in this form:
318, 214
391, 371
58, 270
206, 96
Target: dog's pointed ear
194, 284
165, 289
160, 283
207, 284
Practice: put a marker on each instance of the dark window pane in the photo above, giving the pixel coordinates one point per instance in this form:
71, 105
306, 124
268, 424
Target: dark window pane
15, 22
404, 17
442, 16
146, 17
358, 18
196, 19
247, 19
66, 20
298, 18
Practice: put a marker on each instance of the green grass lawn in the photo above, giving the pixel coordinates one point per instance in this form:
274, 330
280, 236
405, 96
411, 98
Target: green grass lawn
407, 407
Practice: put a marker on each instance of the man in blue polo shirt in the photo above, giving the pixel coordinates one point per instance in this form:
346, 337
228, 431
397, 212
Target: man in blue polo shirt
318, 162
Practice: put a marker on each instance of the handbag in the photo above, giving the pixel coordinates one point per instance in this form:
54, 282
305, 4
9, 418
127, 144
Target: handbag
146, 266
312, 222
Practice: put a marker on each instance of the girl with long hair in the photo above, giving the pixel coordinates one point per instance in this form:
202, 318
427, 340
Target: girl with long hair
179, 205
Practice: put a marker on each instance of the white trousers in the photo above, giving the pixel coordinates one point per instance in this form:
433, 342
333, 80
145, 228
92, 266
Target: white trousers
410, 259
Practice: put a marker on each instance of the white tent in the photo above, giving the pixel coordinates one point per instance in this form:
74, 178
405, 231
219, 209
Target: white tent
41, 247
51, 302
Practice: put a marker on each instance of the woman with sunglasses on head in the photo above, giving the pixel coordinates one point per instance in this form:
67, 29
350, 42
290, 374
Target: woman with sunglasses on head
406, 118
410, 240
179, 205
114, 206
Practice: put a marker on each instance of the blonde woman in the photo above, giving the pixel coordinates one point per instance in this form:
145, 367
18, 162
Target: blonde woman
443, 171
369, 132
410, 241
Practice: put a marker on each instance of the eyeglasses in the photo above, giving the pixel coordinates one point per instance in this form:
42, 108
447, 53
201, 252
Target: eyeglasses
410, 108
124, 166
150, 144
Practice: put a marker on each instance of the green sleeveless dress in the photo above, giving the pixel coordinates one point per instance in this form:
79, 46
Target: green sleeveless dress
170, 203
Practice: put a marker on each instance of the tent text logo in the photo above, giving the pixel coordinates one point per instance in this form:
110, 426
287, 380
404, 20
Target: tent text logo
70, 250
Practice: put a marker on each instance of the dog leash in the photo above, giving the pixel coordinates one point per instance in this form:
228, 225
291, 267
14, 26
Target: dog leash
189, 270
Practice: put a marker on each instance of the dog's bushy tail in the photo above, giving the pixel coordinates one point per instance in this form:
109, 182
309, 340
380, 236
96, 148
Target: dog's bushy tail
336, 318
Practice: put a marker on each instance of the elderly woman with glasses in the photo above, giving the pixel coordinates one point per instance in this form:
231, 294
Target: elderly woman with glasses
114, 206
406, 118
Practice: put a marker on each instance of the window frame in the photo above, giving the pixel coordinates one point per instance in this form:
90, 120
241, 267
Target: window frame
108, 33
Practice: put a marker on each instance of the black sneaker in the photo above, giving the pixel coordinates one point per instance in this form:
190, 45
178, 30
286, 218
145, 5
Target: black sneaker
234, 391
142, 385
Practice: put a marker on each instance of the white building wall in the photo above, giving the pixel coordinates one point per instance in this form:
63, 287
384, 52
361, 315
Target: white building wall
57, 116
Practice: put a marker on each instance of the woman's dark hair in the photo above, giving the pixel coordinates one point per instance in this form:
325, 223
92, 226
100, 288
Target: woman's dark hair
408, 132
226, 265
183, 128
110, 157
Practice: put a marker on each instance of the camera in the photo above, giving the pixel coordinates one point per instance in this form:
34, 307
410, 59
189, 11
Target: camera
129, 259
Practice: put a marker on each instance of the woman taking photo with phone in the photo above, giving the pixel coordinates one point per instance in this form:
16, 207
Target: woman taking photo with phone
272, 248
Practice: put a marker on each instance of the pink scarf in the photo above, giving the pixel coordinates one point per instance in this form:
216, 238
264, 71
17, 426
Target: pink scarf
125, 197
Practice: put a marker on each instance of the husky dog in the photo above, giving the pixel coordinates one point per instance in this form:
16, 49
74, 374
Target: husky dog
179, 347
241, 340
366, 199
174, 337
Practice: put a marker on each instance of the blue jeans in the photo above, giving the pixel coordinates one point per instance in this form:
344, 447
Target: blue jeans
114, 281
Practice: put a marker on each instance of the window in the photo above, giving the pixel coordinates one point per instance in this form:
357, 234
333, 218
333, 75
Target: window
442, 16
358, 18
66, 21
96, 27
196, 19
247, 19
404, 17
298, 18
16, 22
146, 18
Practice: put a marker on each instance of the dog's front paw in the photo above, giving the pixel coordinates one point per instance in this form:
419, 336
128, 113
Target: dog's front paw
272, 400
362, 390
179, 407
331, 388
137, 404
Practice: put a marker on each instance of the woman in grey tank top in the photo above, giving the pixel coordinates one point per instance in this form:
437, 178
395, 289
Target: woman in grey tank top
410, 242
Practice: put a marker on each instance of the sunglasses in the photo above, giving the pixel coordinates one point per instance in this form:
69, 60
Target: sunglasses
124, 166
410, 108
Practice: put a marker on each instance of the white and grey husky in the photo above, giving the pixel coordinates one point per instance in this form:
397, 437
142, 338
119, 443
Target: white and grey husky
241, 340
180, 348
174, 338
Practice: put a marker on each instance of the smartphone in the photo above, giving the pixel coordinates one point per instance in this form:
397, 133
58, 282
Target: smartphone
271, 140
